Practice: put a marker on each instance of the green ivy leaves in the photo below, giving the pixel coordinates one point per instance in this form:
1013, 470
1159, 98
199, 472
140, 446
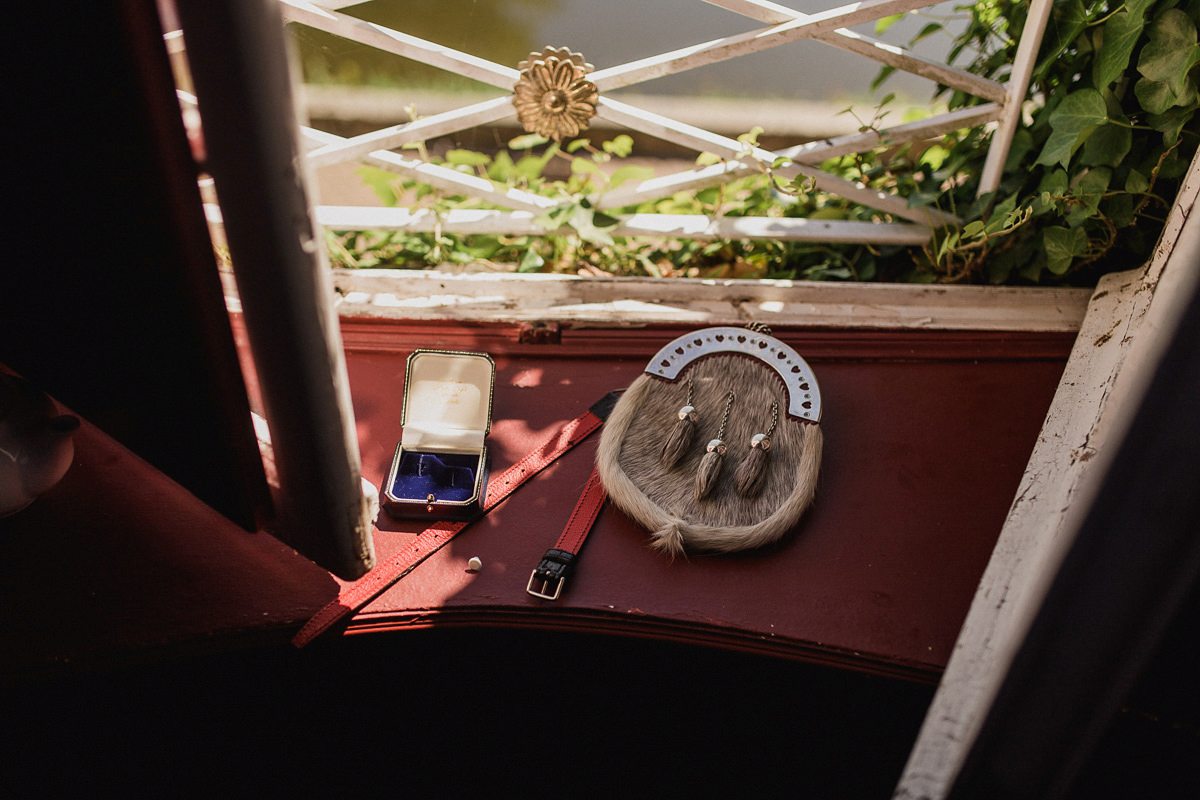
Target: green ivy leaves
1166, 62
1120, 35
1110, 130
1092, 117
1075, 118
1062, 245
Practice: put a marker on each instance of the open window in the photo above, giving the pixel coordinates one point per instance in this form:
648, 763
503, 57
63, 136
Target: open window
157, 367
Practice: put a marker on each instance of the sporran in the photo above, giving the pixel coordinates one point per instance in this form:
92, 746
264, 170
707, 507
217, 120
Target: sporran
748, 470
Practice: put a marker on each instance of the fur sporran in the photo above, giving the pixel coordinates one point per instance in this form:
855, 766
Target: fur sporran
719, 499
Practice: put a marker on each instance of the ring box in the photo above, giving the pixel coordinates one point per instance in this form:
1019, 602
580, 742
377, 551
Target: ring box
440, 469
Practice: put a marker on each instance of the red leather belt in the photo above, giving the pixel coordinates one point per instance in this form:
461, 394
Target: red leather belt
549, 576
355, 596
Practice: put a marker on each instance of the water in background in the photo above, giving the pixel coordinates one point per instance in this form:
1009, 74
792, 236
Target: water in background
610, 32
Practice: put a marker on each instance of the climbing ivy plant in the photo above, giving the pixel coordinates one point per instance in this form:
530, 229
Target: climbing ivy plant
1111, 128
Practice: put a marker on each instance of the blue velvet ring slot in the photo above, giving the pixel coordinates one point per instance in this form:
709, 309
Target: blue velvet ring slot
449, 477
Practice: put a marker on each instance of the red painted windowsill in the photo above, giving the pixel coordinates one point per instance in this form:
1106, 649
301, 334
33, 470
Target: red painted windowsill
927, 435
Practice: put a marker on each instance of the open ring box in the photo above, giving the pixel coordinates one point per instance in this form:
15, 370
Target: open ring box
440, 469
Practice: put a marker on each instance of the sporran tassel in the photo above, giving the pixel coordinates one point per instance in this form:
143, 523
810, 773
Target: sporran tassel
714, 456
710, 467
751, 473
680, 438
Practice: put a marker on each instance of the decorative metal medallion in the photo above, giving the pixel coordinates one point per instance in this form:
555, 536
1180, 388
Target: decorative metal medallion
553, 96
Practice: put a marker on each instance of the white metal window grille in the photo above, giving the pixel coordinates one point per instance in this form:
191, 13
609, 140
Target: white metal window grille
897, 223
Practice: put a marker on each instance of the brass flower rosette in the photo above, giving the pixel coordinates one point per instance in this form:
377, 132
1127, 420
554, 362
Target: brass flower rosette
553, 96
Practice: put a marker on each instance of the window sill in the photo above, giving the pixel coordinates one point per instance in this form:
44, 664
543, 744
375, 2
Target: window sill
632, 302
926, 442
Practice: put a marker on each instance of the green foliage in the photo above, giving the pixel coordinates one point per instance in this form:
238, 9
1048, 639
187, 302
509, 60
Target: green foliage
1112, 129
1111, 126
